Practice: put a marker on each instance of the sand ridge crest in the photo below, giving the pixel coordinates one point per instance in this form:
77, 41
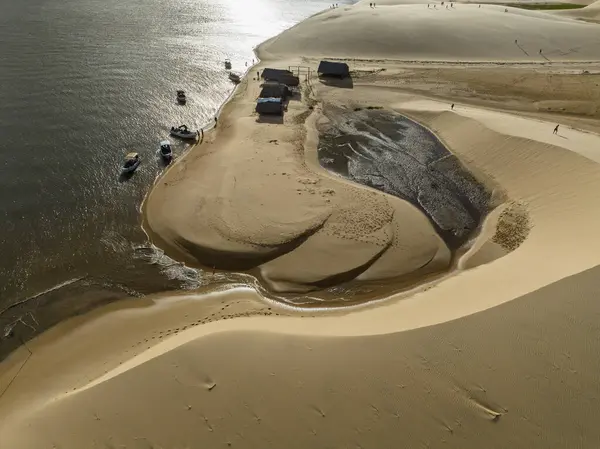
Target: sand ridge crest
501, 352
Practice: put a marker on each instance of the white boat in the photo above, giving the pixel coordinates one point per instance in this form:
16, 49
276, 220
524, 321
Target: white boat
132, 162
183, 132
165, 151
235, 77
181, 97
228, 64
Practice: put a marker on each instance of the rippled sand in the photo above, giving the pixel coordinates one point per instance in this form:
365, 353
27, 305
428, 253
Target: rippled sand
500, 353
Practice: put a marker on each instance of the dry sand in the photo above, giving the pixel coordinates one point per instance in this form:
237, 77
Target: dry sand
502, 352
414, 32
522, 375
589, 13
252, 200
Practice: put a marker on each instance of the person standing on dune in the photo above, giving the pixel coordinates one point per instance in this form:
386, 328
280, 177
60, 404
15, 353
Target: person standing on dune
555, 130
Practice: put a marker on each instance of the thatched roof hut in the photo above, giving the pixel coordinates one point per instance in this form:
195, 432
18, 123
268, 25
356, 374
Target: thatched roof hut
281, 76
269, 106
274, 90
336, 69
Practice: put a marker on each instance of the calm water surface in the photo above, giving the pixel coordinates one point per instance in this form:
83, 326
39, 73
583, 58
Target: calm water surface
82, 82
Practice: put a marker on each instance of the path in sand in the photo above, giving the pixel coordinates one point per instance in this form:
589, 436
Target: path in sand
522, 375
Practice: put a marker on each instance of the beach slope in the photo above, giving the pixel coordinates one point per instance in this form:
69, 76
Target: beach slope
501, 352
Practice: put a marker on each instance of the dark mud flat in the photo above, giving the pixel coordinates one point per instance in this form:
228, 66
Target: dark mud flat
391, 153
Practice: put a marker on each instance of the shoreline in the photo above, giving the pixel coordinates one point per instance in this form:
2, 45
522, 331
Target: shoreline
315, 297
497, 350
239, 92
235, 100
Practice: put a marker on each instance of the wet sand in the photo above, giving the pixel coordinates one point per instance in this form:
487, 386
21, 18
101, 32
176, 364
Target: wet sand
391, 153
254, 204
500, 355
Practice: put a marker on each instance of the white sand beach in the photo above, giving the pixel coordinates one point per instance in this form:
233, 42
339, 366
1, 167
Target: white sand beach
590, 13
494, 347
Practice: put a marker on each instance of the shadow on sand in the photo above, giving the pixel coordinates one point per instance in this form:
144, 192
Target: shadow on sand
295, 95
342, 83
272, 119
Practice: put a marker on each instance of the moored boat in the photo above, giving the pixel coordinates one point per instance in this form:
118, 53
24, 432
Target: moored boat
235, 77
165, 151
183, 132
228, 64
181, 98
132, 162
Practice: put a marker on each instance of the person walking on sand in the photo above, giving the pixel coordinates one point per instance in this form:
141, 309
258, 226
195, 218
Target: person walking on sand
555, 130
201, 134
452, 106
216, 121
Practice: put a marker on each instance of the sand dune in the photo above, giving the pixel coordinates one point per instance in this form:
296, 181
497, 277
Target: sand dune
226, 215
252, 201
521, 375
501, 352
413, 2
415, 32
590, 12
481, 374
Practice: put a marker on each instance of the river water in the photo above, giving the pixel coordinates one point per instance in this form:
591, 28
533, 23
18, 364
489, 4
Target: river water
83, 82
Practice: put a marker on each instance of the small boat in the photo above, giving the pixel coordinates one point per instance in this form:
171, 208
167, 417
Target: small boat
132, 162
183, 132
181, 97
235, 77
165, 151
228, 64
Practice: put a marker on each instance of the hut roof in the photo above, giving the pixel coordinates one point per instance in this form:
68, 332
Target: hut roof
273, 90
274, 74
329, 68
269, 106
280, 75
290, 80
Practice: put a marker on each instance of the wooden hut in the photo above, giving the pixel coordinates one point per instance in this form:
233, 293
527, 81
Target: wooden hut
333, 69
274, 90
281, 76
269, 106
